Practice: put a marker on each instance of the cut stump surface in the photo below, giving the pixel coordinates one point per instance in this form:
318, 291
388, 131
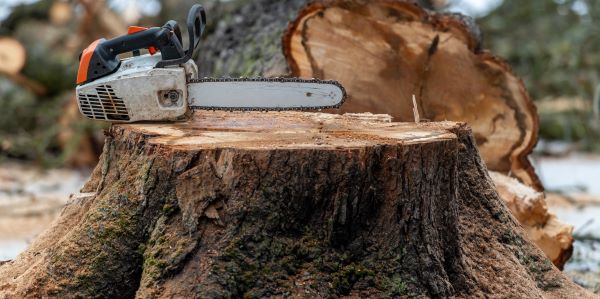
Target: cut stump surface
308, 205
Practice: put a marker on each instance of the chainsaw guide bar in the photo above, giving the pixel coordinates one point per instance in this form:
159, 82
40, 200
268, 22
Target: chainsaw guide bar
270, 80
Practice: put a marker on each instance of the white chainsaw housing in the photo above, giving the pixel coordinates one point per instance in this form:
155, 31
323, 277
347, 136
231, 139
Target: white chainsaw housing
138, 91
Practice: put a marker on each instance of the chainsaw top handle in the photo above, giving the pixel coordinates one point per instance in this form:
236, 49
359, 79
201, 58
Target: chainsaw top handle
100, 58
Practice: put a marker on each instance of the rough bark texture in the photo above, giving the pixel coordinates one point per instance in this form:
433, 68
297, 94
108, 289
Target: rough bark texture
245, 40
554, 237
286, 204
386, 51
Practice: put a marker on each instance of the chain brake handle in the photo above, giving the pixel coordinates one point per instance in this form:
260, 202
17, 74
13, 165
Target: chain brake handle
196, 24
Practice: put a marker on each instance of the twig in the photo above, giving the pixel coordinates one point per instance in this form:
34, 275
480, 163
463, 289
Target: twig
585, 225
596, 103
420, 84
416, 109
586, 237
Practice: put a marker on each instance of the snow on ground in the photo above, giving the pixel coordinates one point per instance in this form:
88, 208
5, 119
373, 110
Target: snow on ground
30, 199
577, 176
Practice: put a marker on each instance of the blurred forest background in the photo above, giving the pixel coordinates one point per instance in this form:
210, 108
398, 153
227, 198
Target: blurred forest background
552, 44
47, 148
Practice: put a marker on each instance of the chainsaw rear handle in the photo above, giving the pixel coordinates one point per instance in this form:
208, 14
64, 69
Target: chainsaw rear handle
100, 58
196, 23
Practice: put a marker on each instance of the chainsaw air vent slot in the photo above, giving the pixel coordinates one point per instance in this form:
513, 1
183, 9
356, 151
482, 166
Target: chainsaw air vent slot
103, 104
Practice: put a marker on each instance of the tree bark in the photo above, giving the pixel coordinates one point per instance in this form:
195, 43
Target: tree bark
286, 204
244, 38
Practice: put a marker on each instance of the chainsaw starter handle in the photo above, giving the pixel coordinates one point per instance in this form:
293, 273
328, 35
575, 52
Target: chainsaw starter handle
100, 58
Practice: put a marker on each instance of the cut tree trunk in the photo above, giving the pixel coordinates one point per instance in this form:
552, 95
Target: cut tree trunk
286, 204
554, 237
386, 51
12, 56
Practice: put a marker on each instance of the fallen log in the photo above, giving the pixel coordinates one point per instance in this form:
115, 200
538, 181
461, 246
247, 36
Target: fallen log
286, 204
12, 60
61, 12
554, 237
386, 51
12, 56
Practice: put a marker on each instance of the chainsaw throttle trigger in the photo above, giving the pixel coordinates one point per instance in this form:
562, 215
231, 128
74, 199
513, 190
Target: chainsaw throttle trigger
135, 29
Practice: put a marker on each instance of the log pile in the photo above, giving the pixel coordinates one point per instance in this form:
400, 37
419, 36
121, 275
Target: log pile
286, 204
37, 98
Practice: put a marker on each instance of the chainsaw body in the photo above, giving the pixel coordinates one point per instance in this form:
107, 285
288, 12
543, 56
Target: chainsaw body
143, 87
138, 91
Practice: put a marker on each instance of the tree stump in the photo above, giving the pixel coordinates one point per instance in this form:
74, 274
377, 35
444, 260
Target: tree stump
295, 204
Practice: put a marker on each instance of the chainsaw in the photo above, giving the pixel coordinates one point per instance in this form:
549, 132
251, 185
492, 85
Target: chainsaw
166, 87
